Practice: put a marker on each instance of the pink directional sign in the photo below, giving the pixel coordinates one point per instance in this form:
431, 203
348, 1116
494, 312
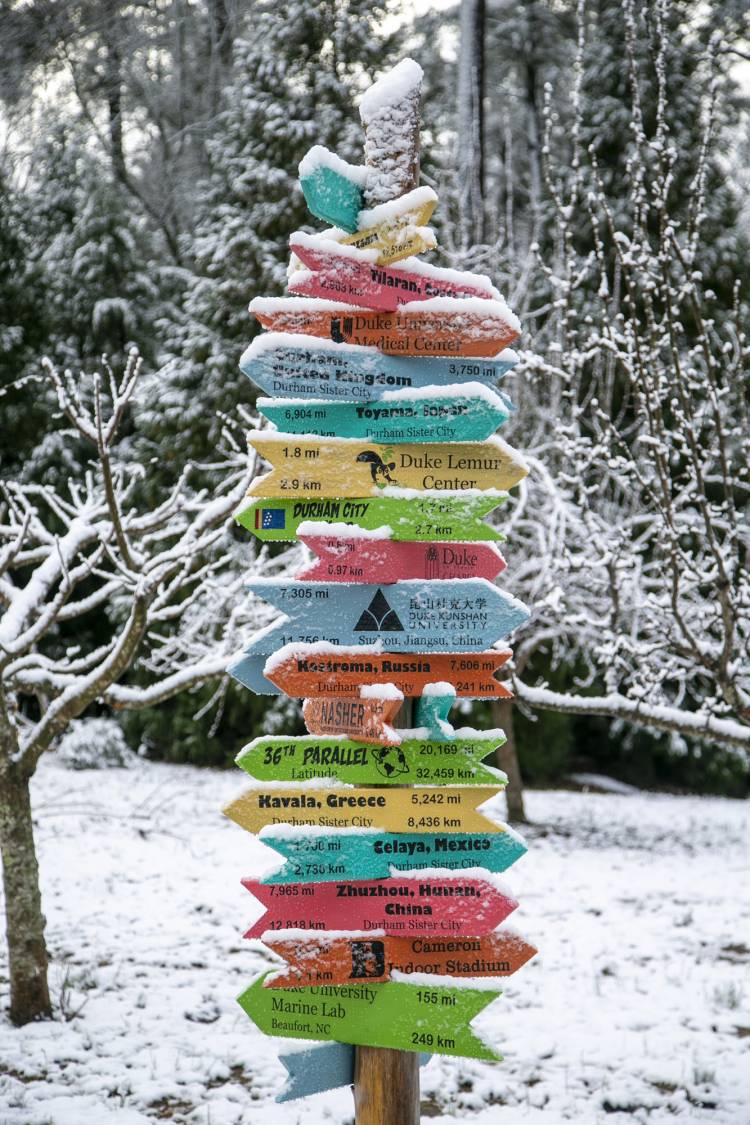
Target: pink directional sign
449, 905
345, 273
368, 559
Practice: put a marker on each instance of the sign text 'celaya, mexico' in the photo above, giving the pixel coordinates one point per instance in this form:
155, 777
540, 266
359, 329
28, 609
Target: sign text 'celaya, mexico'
402, 1016
458, 904
315, 960
423, 809
335, 467
411, 762
409, 616
354, 854
288, 365
442, 326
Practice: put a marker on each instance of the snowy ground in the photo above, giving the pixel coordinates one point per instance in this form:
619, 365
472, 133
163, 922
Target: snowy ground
635, 1010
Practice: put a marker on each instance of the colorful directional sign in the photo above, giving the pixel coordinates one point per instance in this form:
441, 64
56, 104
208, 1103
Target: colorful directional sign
468, 413
325, 1066
288, 365
412, 615
323, 669
376, 559
413, 761
423, 809
442, 326
407, 1017
451, 516
432, 711
344, 273
336, 467
367, 719
458, 904
313, 854
316, 960
398, 228
332, 188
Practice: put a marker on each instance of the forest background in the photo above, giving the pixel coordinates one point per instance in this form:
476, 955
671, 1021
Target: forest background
592, 157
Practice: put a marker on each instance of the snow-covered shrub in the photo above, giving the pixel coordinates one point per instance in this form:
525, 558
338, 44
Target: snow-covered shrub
94, 744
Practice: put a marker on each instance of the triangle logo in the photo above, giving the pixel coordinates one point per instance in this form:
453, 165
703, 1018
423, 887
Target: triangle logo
379, 617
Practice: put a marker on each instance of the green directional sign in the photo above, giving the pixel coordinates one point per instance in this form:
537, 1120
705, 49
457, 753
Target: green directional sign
411, 762
410, 515
406, 1017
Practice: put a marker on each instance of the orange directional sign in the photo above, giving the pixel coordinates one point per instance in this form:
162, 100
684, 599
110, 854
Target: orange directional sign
325, 669
440, 326
366, 719
316, 959
337, 467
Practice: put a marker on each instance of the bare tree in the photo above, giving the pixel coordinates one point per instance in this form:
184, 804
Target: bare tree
164, 579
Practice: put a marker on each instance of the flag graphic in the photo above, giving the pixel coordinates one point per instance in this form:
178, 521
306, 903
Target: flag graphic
274, 518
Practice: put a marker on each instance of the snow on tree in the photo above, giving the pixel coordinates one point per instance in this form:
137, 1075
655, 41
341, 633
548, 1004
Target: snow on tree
162, 582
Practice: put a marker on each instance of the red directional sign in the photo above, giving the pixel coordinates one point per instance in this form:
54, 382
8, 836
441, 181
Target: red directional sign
359, 558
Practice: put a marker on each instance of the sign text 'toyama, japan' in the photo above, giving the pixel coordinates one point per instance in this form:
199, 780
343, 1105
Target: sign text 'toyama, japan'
382, 369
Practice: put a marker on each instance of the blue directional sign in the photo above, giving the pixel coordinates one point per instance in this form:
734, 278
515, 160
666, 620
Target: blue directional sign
248, 670
318, 857
286, 365
471, 413
411, 616
323, 1067
431, 711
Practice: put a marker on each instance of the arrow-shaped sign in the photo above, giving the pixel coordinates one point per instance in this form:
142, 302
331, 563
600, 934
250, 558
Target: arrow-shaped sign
325, 669
289, 365
454, 413
426, 616
344, 273
314, 960
432, 711
332, 467
354, 854
366, 719
333, 189
423, 809
323, 1067
403, 1016
376, 559
442, 326
413, 761
412, 515
456, 904
398, 228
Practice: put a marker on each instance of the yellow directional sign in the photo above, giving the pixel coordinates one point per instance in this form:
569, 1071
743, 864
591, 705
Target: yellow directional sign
397, 229
425, 808
327, 467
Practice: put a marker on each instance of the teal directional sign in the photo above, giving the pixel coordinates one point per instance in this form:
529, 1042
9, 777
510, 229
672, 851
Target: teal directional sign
319, 856
412, 616
286, 365
469, 413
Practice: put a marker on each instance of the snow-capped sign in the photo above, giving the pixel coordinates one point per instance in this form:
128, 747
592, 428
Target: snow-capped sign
403, 1016
366, 719
343, 273
413, 761
405, 514
356, 558
432, 709
313, 1070
289, 365
356, 854
336, 467
333, 189
454, 413
409, 616
323, 669
397, 228
414, 904
320, 959
423, 809
442, 326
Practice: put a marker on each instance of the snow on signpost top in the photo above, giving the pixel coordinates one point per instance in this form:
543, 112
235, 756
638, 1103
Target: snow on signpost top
390, 114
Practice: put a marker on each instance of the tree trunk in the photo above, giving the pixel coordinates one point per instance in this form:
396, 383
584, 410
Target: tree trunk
507, 760
470, 132
27, 951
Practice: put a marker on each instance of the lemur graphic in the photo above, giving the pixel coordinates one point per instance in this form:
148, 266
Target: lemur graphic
378, 467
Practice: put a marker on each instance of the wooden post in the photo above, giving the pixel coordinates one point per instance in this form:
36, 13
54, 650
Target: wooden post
386, 1082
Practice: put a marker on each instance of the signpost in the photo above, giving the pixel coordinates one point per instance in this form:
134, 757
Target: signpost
381, 894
